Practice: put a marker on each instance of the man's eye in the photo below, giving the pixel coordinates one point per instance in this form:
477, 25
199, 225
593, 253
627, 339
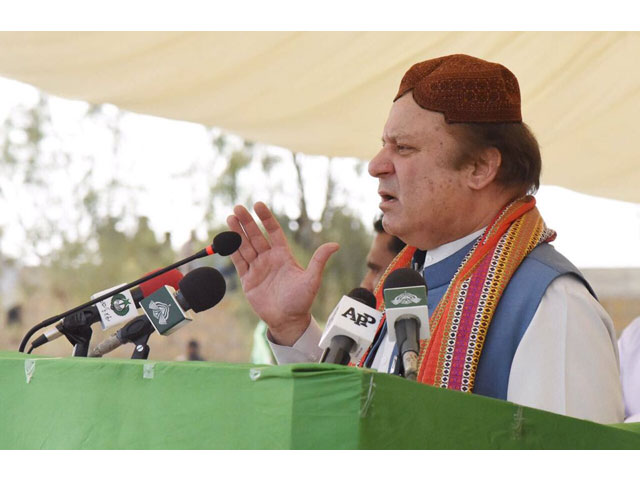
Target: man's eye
403, 148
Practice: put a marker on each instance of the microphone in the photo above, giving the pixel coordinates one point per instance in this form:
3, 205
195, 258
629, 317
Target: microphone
405, 299
117, 309
350, 328
112, 311
224, 244
139, 327
200, 290
165, 310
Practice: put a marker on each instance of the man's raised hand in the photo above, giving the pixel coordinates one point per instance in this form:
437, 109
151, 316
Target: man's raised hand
277, 287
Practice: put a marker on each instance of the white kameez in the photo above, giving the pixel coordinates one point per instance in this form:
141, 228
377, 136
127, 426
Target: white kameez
566, 362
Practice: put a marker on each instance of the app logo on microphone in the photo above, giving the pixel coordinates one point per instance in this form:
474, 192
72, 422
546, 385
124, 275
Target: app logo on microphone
361, 319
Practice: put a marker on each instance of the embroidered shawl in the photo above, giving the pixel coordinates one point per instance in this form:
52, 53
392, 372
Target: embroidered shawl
461, 319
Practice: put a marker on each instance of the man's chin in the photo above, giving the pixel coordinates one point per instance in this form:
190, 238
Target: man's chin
390, 225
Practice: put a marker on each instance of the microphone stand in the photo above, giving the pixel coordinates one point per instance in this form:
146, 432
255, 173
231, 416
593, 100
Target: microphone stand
77, 329
141, 350
203, 253
79, 338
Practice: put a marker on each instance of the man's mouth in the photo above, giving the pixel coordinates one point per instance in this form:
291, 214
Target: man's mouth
387, 199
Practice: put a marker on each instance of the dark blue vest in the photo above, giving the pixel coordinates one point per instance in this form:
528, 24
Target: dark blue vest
517, 306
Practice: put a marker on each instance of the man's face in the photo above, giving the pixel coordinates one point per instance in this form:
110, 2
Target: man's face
378, 258
423, 198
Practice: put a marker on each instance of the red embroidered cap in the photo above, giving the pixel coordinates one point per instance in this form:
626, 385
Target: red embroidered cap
464, 89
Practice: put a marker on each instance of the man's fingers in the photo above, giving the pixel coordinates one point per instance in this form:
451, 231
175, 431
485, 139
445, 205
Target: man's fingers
320, 258
253, 232
246, 250
241, 266
276, 235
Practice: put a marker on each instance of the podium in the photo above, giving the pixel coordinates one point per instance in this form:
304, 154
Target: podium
102, 403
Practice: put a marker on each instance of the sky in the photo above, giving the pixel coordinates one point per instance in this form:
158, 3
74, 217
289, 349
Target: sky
155, 153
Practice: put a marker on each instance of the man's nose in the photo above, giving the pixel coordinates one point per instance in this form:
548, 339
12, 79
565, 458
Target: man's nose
380, 164
367, 281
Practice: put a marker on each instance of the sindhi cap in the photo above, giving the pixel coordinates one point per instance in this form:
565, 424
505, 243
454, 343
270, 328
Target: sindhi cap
465, 89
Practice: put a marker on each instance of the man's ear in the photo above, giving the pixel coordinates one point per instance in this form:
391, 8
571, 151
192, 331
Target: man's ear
484, 168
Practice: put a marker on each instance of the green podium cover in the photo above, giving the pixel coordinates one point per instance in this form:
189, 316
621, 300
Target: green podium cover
101, 403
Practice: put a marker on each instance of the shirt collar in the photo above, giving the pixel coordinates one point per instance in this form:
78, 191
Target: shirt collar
443, 251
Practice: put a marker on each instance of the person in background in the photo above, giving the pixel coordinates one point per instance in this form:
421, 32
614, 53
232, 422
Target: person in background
261, 353
629, 347
14, 315
193, 352
383, 249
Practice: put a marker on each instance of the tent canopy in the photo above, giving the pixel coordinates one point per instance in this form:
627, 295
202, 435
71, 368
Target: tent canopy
329, 93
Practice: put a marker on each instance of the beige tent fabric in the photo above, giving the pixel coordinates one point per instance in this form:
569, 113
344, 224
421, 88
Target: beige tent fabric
329, 92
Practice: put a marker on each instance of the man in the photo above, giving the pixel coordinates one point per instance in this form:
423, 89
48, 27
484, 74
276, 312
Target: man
384, 249
510, 317
629, 346
193, 352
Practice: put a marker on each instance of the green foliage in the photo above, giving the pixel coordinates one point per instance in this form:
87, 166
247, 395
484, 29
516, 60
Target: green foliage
336, 224
227, 186
76, 272
32, 155
22, 135
100, 255
84, 260
268, 162
346, 268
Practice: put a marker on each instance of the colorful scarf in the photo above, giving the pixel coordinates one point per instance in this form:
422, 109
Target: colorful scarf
461, 319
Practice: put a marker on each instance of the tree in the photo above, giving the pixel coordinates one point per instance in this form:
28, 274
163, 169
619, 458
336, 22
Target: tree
336, 221
75, 234
84, 240
36, 162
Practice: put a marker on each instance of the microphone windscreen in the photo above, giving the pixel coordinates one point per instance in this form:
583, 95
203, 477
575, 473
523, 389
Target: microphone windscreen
404, 277
171, 278
363, 295
203, 288
226, 243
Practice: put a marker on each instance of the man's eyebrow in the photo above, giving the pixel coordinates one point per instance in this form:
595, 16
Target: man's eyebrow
398, 137
373, 266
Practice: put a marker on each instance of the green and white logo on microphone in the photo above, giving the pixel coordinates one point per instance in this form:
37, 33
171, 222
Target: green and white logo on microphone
160, 311
407, 301
120, 304
405, 297
164, 311
117, 309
